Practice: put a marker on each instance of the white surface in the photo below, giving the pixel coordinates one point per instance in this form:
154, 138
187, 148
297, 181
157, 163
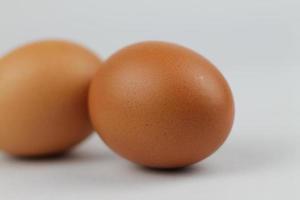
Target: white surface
256, 44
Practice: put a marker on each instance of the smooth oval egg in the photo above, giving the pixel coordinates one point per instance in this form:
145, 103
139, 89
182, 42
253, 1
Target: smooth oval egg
161, 105
43, 97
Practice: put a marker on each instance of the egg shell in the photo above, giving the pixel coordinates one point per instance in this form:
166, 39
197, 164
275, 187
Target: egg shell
43, 97
161, 105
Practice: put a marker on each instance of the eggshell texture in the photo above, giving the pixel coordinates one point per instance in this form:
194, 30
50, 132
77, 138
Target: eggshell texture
161, 105
43, 97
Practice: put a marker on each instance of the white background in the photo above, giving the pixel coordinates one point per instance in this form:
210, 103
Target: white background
255, 43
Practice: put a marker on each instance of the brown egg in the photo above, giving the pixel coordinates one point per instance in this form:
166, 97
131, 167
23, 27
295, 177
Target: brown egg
43, 97
161, 105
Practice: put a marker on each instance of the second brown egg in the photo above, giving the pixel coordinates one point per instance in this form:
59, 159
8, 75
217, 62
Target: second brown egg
161, 105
